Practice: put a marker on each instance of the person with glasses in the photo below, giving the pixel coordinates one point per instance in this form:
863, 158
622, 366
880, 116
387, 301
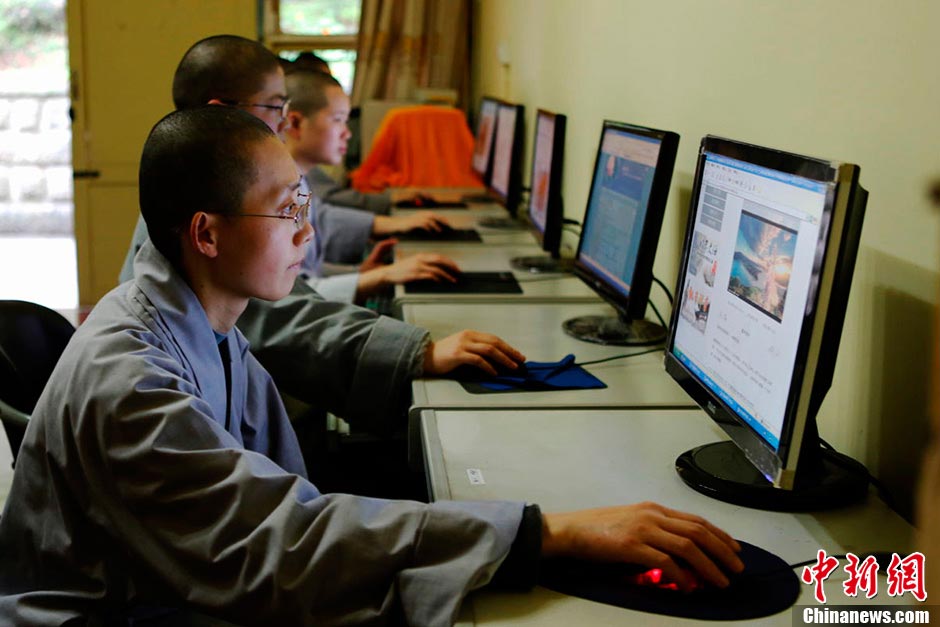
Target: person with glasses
160, 482
337, 357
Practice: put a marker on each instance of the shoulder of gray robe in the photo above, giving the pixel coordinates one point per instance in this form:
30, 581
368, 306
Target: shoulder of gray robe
344, 233
336, 356
131, 491
137, 240
332, 192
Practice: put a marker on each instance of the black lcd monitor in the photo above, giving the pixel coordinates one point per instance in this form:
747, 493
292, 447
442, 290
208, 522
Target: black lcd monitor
761, 296
546, 211
506, 176
620, 231
483, 142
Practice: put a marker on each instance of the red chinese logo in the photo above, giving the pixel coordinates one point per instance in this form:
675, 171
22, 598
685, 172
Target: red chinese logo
862, 576
818, 573
904, 575
907, 575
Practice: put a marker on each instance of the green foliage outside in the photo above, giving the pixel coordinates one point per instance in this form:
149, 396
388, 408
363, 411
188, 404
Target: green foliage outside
32, 32
320, 17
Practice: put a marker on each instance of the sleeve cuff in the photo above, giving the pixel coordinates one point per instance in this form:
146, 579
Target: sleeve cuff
520, 569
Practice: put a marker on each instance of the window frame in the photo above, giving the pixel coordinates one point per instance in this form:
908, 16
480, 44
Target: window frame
278, 41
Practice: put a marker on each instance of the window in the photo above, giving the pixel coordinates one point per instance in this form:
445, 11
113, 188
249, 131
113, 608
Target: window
328, 28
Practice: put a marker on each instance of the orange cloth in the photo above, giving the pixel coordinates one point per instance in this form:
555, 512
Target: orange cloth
420, 146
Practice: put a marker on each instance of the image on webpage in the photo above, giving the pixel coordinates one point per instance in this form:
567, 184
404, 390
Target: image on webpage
747, 279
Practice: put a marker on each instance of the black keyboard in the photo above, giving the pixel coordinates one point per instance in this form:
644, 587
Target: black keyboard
424, 202
446, 235
469, 283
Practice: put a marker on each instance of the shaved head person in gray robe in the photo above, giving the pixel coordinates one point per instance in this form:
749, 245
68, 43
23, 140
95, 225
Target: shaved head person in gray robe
160, 480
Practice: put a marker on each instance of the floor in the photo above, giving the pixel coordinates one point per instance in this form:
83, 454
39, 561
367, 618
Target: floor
41, 270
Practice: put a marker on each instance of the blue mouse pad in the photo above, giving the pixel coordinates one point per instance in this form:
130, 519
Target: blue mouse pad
766, 586
533, 376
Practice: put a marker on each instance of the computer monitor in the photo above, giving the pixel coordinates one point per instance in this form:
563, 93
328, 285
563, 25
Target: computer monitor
483, 143
546, 211
761, 296
620, 231
506, 177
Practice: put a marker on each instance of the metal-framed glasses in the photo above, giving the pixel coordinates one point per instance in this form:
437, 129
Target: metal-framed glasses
282, 108
296, 212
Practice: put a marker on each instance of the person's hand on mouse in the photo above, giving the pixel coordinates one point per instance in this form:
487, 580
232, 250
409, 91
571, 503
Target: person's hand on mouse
424, 220
471, 348
647, 534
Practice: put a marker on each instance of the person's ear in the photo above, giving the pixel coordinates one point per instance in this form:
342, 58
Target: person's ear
292, 123
203, 233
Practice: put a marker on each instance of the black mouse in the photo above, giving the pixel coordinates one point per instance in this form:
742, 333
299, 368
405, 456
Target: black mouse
416, 202
766, 586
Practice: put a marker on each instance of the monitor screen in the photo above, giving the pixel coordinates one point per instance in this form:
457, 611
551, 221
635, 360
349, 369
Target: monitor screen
753, 286
624, 214
545, 207
506, 177
483, 143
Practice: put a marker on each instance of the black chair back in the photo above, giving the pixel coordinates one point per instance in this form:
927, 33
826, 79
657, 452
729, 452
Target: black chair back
32, 338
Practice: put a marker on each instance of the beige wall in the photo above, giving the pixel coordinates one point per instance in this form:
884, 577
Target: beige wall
855, 80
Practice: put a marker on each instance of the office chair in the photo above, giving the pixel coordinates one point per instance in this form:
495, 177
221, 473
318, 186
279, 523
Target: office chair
32, 338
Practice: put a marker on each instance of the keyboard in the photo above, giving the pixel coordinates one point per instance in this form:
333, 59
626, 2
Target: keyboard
446, 235
426, 202
469, 283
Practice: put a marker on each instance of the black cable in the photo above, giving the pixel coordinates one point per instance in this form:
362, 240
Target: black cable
597, 361
882, 489
658, 349
665, 289
570, 221
570, 230
656, 311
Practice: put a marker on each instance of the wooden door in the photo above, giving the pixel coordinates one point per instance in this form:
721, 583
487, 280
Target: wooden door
122, 57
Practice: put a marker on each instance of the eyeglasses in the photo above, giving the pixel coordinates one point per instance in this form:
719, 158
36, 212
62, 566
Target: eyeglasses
296, 212
281, 108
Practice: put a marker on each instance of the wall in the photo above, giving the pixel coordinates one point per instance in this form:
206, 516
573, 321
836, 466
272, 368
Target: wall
35, 153
855, 80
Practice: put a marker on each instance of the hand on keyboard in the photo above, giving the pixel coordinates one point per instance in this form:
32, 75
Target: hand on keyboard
422, 266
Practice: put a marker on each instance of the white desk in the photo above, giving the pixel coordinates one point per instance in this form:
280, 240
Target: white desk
565, 460
543, 288
535, 330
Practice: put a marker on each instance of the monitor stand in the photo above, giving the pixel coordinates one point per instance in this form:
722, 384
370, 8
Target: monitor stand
721, 470
543, 264
500, 223
614, 330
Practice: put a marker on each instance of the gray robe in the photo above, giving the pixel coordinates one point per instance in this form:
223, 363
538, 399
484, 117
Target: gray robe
326, 187
130, 491
335, 356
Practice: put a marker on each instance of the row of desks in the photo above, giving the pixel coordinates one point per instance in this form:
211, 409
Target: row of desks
579, 449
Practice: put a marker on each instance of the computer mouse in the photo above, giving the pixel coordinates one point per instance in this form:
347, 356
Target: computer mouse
521, 370
767, 585
416, 202
470, 373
